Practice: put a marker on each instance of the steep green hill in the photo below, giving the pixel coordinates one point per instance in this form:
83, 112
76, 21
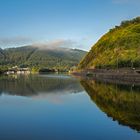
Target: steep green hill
120, 47
61, 58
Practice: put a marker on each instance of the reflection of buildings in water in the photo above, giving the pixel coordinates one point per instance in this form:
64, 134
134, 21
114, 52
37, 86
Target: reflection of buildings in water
34, 85
120, 102
17, 70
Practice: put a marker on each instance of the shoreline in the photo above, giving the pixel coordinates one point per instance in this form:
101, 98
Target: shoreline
110, 76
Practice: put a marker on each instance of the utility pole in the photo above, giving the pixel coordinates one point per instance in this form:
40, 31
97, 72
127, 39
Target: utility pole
117, 59
131, 64
117, 63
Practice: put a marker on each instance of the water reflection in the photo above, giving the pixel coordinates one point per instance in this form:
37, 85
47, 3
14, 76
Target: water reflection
38, 85
71, 115
120, 102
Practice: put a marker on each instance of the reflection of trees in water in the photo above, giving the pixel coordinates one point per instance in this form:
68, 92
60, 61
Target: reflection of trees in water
34, 84
120, 102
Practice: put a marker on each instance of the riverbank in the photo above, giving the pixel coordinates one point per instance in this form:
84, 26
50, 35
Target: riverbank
128, 76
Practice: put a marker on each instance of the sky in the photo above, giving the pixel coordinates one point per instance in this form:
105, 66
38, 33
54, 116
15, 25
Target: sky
69, 23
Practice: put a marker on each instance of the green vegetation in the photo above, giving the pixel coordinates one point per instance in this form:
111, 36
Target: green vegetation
120, 47
35, 58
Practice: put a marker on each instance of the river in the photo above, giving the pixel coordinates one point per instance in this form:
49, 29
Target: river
61, 107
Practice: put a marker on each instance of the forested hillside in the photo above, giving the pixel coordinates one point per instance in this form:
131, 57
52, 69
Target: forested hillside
36, 58
120, 47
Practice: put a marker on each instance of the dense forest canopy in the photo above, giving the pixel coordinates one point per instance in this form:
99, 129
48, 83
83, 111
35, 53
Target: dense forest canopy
36, 58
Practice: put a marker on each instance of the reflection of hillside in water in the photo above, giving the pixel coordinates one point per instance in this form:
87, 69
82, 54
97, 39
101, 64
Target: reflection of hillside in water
35, 85
120, 102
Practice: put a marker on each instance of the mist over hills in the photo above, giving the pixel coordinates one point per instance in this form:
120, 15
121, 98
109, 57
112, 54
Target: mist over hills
41, 56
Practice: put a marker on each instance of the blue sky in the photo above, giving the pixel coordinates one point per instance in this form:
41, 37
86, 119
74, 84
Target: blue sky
72, 23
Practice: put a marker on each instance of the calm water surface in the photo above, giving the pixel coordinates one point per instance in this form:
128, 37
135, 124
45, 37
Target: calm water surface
60, 107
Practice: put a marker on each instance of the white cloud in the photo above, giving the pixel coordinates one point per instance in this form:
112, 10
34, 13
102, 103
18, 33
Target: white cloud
55, 44
14, 41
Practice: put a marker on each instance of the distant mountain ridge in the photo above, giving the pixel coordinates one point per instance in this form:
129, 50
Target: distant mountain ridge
120, 47
61, 58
